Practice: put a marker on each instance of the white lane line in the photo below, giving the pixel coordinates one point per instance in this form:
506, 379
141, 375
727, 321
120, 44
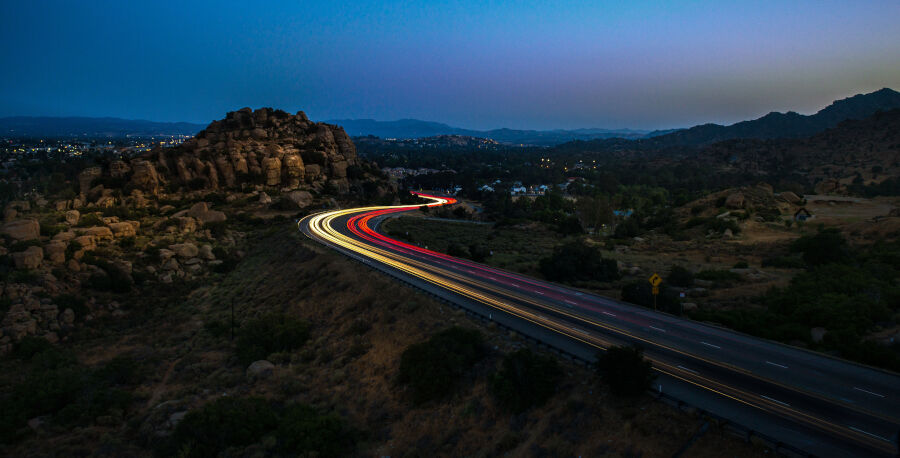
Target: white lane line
610, 314
660, 330
540, 292
776, 364
775, 400
569, 302
867, 391
516, 285
579, 294
711, 345
689, 370
870, 434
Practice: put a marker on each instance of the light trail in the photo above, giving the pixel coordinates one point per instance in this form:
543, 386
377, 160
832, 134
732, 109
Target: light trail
506, 297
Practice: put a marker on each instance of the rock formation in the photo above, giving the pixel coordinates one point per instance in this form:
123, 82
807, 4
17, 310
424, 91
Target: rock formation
262, 146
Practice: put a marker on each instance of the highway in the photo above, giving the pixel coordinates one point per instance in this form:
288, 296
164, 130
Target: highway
806, 401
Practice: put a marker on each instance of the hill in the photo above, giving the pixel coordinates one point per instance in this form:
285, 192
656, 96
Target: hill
47, 126
771, 126
414, 128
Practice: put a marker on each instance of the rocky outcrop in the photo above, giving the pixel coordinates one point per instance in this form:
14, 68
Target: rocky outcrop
87, 176
145, 177
735, 201
272, 146
23, 229
201, 212
29, 259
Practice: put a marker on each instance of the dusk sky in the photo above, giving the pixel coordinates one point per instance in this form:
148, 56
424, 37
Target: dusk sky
476, 64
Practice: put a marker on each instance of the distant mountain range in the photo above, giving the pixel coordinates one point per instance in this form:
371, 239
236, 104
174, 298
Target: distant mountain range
771, 126
414, 128
46, 126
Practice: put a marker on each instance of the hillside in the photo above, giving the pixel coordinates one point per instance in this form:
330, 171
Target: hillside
414, 128
47, 126
771, 126
868, 148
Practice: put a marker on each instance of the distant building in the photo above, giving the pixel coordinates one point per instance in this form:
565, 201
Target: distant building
802, 215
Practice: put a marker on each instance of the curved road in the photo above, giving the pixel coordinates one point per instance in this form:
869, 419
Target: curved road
810, 402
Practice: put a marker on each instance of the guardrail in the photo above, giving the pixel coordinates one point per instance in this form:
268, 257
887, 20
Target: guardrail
736, 429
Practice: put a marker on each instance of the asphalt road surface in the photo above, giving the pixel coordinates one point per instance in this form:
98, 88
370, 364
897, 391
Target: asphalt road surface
810, 402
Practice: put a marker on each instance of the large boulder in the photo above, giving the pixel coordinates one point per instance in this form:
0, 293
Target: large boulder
271, 167
72, 217
145, 177
23, 229
301, 198
791, 198
56, 252
735, 200
185, 250
29, 259
123, 229
261, 368
98, 232
201, 212
118, 169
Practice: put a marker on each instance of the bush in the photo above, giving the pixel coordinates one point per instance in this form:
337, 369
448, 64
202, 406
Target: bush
433, 369
741, 265
304, 431
478, 252
679, 276
578, 261
826, 246
263, 336
71, 301
641, 293
30, 346
223, 423
226, 423
88, 220
524, 380
625, 370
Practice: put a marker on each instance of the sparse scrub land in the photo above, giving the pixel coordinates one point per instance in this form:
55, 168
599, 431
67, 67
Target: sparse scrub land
525, 380
434, 369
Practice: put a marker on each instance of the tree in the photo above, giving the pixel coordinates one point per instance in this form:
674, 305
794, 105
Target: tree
579, 261
825, 247
525, 379
625, 370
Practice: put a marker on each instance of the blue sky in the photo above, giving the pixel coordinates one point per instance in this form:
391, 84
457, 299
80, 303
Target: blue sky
477, 64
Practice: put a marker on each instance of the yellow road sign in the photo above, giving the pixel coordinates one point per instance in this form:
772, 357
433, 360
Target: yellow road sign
655, 290
655, 280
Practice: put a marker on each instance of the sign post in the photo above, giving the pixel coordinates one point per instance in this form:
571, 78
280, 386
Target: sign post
655, 281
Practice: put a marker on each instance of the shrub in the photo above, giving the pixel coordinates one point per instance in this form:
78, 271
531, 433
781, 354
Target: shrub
578, 261
30, 346
90, 219
478, 252
625, 370
679, 276
524, 380
269, 334
457, 250
826, 246
223, 423
71, 301
741, 265
304, 431
433, 369
299, 430
641, 293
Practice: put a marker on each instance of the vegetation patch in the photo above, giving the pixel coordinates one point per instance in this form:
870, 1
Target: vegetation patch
433, 369
525, 380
